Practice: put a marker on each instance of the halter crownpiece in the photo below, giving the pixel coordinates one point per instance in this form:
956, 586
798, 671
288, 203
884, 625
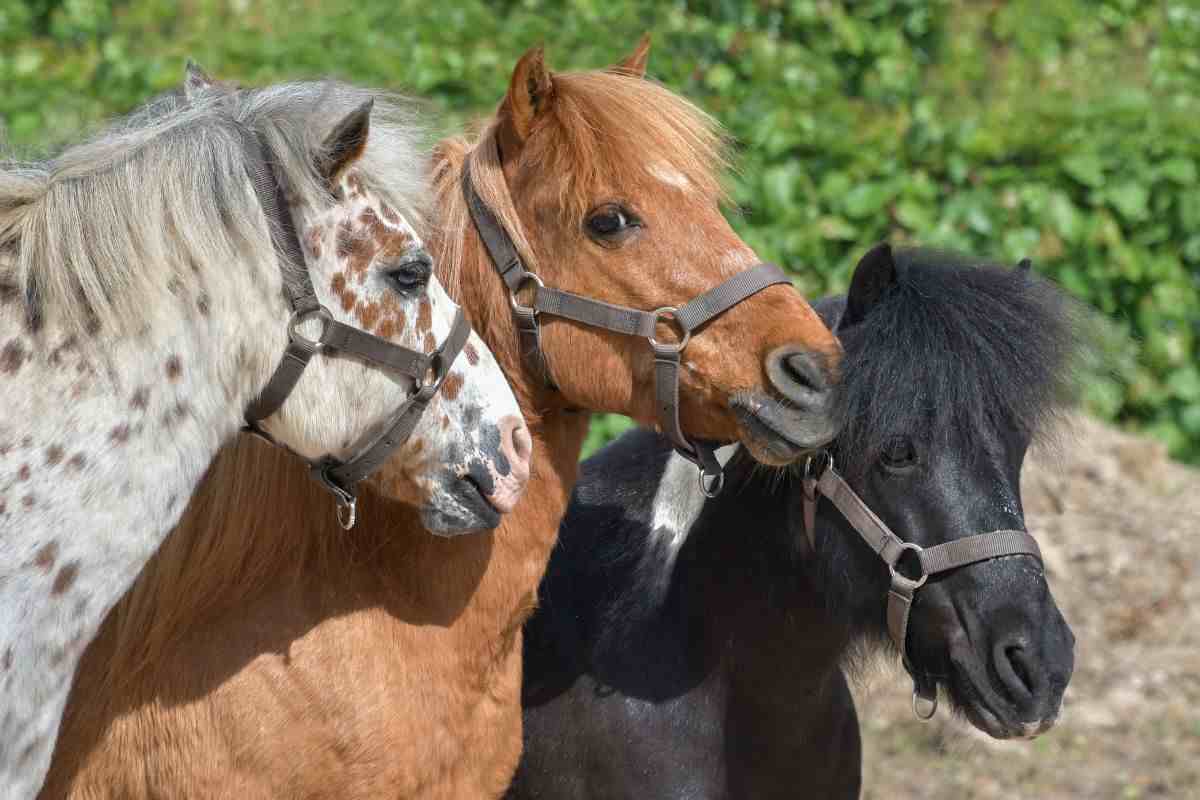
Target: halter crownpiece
428, 371
619, 319
820, 478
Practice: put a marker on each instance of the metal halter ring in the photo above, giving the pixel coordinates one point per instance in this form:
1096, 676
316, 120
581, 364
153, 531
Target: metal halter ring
932, 703
347, 513
718, 483
897, 576
669, 313
300, 317
347, 503
824, 458
512, 296
433, 372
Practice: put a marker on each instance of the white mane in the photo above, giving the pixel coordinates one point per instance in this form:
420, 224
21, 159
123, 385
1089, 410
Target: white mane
98, 234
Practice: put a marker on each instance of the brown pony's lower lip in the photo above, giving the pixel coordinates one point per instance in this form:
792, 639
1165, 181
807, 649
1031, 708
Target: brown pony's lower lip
764, 422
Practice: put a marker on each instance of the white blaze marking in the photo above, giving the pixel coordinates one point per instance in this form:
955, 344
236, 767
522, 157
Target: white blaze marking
669, 175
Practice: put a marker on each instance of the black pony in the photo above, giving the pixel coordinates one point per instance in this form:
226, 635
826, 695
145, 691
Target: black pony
692, 648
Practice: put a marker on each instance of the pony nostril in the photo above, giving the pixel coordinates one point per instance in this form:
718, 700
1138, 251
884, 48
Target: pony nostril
798, 375
522, 443
516, 446
1012, 666
801, 369
510, 463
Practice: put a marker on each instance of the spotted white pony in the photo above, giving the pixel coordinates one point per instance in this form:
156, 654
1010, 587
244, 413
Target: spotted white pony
142, 310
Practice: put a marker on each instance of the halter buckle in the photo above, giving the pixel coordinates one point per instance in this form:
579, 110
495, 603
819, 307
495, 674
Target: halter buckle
512, 296
670, 314
300, 317
902, 580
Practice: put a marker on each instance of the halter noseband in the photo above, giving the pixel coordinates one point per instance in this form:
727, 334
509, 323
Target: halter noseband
891, 549
427, 371
619, 319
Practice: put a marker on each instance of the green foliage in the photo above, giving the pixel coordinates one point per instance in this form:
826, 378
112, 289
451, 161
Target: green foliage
1058, 129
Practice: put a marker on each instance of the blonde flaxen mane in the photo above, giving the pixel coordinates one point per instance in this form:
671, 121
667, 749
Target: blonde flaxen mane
97, 234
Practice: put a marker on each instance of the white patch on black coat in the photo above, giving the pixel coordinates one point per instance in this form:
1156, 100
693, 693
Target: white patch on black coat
677, 505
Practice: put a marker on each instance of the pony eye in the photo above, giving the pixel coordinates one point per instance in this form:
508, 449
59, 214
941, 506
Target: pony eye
899, 454
611, 224
410, 273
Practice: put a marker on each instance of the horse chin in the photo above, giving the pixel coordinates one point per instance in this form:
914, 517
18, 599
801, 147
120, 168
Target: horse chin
973, 695
457, 507
776, 434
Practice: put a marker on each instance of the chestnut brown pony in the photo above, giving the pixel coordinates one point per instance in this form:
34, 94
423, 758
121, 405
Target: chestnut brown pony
262, 655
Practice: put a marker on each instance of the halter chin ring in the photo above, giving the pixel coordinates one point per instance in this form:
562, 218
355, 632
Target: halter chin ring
347, 503
301, 317
816, 464
670, 314
512, 296
713, 488
931, 703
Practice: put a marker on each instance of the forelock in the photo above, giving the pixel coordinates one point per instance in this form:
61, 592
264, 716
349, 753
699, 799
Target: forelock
956, 348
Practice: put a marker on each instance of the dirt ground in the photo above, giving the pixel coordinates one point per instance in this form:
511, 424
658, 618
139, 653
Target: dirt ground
1119, 525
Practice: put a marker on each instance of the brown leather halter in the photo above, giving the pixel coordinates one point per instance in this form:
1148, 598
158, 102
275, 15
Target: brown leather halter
619, 319
891, 549
427, 371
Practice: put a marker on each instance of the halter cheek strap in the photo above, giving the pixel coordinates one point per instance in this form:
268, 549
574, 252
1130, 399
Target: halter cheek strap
891, 549
686, 319
427, 371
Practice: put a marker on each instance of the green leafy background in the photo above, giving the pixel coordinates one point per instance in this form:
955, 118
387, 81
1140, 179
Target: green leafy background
1064, 130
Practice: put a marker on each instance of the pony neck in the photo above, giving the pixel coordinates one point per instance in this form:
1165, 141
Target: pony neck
729, 602
104, 441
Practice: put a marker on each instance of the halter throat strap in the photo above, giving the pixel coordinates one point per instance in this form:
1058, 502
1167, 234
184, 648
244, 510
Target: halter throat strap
891, 549
686, 320
427, 371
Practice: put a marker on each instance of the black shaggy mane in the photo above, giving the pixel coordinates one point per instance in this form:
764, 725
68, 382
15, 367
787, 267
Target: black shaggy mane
953, 347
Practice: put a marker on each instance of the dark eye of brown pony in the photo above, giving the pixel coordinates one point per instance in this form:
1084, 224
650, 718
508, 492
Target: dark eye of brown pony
899, 455
611, 224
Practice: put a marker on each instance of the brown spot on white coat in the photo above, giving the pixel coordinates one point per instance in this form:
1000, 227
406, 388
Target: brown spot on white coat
12, 357
452, 385
65, 577
46, 555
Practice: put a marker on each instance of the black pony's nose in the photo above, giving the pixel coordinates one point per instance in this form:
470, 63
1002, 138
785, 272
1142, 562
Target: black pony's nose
801, 376
1032, 671
1020, 678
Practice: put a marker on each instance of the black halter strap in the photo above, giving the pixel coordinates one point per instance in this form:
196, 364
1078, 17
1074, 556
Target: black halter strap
627, 321
428, 371
891, 549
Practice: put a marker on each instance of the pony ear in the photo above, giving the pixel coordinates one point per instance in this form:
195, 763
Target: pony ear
530, 94
635, 63
346, 142
1024, 265
874, 275
196, 81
